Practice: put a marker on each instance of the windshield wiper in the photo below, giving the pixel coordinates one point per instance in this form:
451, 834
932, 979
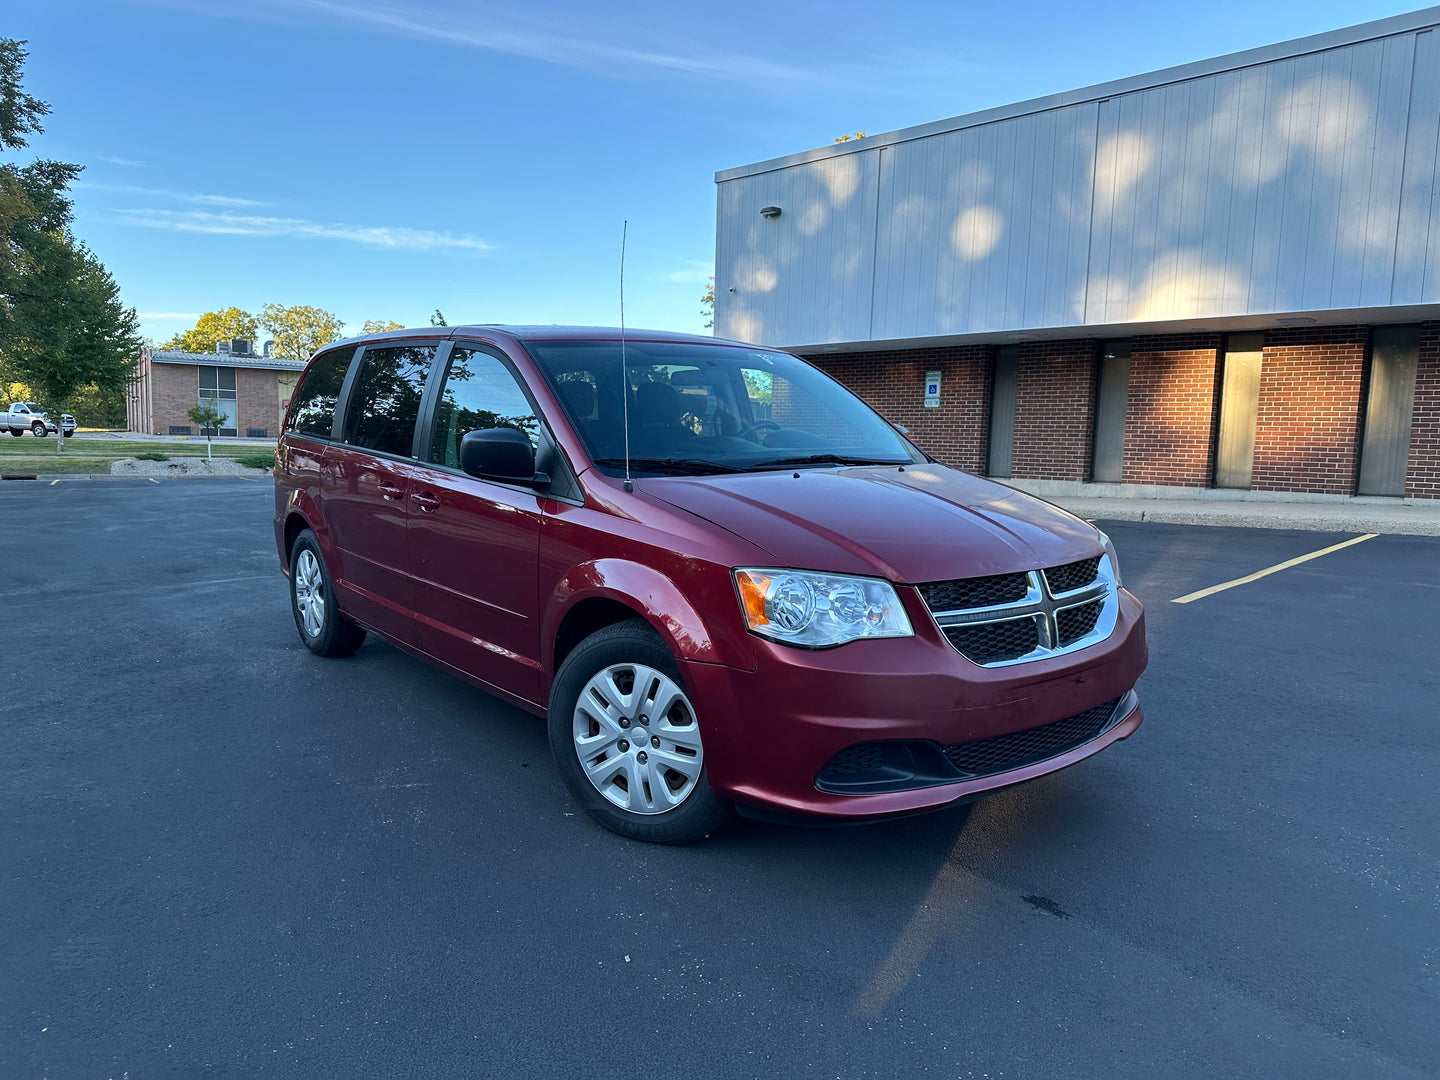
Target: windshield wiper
822, 459
675, 466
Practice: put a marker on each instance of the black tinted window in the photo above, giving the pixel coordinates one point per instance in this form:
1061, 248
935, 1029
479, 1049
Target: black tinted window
386, 398
479, 392
313, 409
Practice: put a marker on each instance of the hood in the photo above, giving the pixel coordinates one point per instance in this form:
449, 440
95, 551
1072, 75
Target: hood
928, 523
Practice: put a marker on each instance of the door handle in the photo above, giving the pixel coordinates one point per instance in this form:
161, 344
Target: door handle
425, 502
391, 491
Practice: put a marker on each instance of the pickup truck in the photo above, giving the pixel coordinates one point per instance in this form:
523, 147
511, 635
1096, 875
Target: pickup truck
27, 416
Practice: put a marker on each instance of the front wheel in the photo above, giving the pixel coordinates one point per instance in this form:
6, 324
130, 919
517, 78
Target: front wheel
37, 429
626, 740
323, 629
69, 433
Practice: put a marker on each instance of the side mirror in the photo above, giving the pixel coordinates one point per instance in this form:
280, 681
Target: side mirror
502, 454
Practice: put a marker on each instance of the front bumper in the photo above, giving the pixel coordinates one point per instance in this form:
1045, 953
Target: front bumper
770, 732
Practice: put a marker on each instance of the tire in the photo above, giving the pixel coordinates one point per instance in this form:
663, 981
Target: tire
37, 429
17, 434
628, 662
68, 434
323, 629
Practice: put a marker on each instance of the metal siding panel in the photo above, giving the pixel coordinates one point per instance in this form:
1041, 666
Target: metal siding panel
1297, 112
1419, 216
1239, 404
1104, 202
1306, 183
1385, 453
1387, 170
1110, 405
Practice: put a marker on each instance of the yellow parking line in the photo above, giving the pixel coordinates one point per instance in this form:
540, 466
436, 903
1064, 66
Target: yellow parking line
1213, 589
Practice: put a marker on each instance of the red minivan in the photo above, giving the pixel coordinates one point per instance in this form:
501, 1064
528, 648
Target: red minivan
724, 580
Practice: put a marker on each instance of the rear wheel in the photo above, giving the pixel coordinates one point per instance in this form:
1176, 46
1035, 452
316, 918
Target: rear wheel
16, 433
626, 740
323, 629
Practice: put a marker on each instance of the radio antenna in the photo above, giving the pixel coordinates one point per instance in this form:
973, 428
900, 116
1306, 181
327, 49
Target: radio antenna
624, 375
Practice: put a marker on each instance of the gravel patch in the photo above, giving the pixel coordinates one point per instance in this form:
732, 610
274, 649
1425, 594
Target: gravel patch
220, 466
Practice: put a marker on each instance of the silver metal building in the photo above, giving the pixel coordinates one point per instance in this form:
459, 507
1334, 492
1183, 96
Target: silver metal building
1297, 179
1225, 274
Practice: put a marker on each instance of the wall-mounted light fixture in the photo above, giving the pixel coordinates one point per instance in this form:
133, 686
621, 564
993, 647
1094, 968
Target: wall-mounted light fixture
769, 211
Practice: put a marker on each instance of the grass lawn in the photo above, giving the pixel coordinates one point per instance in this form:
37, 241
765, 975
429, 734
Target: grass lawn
29, 455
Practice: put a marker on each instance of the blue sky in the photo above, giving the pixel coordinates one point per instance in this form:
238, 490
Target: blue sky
381, 158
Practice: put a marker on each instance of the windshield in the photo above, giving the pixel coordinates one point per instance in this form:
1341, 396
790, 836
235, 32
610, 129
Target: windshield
698, 409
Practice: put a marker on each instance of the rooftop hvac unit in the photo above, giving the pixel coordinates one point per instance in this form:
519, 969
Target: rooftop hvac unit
241, 347
223, 348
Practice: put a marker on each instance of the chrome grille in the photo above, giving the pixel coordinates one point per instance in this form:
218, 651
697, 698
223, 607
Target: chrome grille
985, 643
1072, 576
1071, 624
993, 622
975, 592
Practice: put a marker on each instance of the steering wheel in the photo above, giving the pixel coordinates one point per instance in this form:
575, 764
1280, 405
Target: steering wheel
758, 425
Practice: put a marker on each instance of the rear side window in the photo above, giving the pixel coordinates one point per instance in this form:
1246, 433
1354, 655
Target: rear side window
385, 401
479, 392
313, 410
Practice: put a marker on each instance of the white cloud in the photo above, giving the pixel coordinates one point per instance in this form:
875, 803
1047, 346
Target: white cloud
695, 272
519, 33
166, 193
129, 163
232, 224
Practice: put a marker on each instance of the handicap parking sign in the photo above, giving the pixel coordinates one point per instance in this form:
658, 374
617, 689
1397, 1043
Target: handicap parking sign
932, 389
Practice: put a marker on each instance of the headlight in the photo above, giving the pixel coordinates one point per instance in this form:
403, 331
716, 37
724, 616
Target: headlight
1114, 558
814, 610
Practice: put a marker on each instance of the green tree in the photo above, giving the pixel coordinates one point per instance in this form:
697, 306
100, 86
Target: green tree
300, 332
379, 326
62, 325
214, 327
208, 418
707, 303
438, 319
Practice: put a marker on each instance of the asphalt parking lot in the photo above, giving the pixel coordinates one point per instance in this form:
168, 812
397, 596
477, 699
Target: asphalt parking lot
221, 855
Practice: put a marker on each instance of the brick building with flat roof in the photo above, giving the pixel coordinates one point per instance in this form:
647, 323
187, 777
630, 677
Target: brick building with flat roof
253, 391
1222, 275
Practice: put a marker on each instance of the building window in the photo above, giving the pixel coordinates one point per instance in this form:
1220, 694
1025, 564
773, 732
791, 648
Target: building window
217, 385
1239, 404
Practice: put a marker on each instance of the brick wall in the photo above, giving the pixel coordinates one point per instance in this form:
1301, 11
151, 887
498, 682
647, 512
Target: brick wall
1307, 425
893, 383
1423, 473
174, 388
1055, 410
1170, 414
256, 400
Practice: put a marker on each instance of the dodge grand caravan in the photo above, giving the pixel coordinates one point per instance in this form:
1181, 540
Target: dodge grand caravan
723, 579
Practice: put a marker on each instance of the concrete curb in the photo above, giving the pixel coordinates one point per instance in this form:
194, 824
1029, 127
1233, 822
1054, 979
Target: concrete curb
1307, 517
